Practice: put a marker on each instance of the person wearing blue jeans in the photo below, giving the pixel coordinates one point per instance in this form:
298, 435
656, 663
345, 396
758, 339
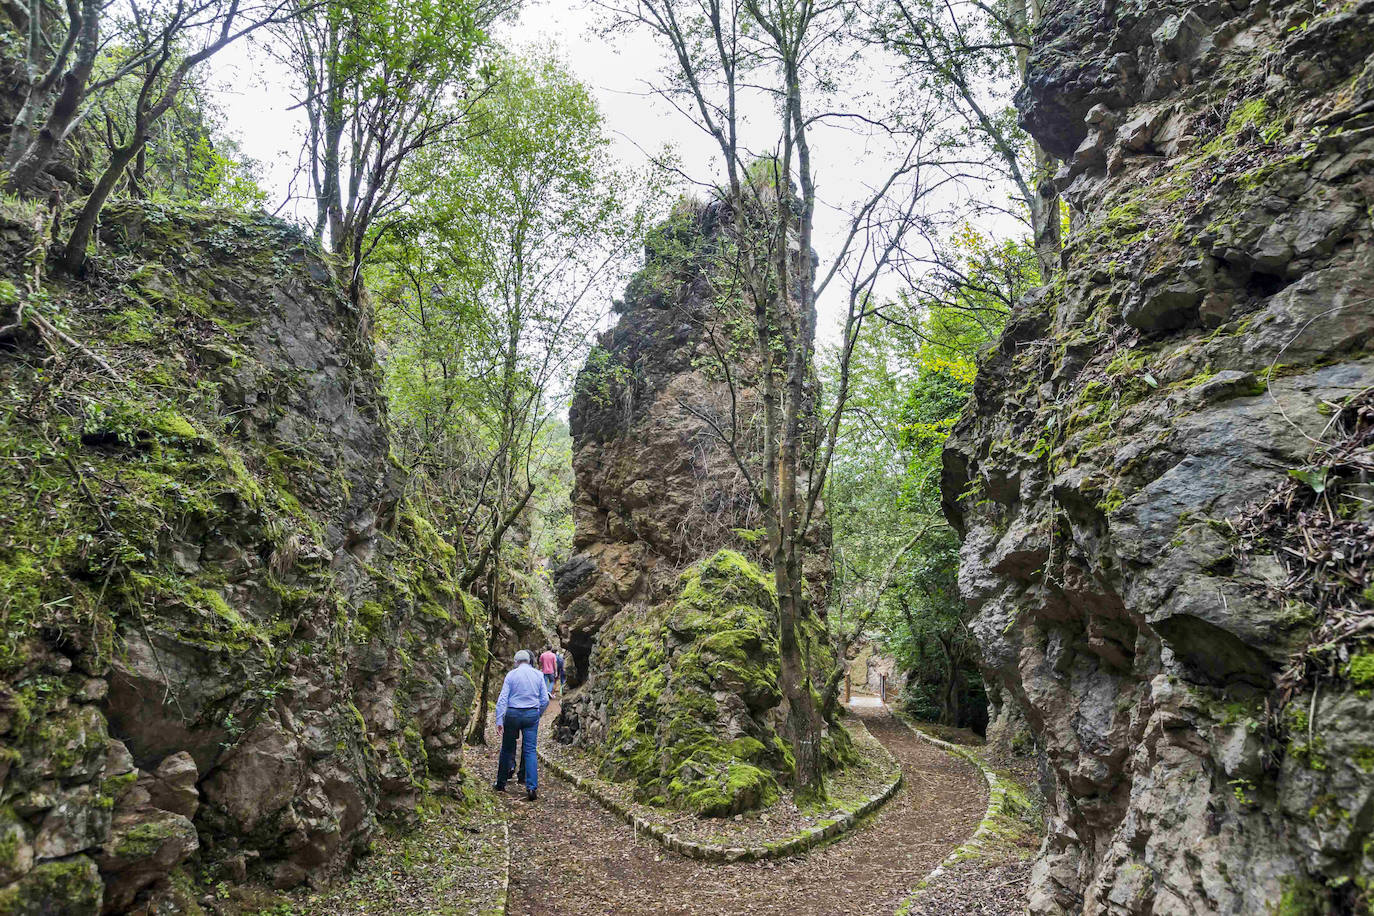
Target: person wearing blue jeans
524, 696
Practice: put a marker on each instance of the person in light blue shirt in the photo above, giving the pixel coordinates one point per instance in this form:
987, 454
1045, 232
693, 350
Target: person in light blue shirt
524, 695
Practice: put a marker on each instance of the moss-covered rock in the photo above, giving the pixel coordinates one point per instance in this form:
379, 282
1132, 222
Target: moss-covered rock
656, 488
205, 550
71, 887
1161, 479
692, 694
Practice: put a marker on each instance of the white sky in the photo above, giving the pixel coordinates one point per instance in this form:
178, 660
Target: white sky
256, 97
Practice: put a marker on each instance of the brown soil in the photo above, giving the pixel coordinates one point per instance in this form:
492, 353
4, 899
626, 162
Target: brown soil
571, 857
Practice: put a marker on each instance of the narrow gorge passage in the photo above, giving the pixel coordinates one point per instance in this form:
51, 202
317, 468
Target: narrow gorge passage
570, 856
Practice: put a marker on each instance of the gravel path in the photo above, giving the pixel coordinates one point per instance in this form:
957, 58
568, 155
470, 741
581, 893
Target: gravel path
571, 857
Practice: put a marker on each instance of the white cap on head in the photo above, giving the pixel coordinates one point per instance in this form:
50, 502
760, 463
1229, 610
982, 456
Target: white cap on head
522, 656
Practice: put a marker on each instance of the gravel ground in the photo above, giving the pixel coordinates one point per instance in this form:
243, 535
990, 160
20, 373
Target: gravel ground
977, 888
573, 858
995, 882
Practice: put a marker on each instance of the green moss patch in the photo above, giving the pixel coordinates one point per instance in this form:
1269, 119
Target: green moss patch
74, 883
667, 733
1361, 669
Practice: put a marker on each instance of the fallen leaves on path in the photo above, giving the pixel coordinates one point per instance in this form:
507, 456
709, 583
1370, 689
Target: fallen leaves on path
452, 864
977, 888
571, 857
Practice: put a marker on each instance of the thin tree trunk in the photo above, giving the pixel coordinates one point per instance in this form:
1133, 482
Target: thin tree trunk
34, 158
804, 708
1045, 216
948, 700
331, 201
1043, 199
477, 735
74, 255
494, 542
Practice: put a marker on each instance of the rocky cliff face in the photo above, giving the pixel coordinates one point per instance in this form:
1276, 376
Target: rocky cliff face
656, 491
1164, 479
655, 487
228, 642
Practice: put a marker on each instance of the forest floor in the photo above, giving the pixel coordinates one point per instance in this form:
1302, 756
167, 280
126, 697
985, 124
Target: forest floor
453, 863
571, 857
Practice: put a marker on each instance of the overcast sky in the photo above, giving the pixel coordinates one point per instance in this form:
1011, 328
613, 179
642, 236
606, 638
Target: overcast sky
620, 71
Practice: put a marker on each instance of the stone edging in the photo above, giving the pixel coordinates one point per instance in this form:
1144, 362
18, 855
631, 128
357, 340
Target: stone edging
1000, 805
710, 852
502, 905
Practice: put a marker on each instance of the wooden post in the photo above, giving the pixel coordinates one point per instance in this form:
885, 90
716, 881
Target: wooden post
882, 686
847, 684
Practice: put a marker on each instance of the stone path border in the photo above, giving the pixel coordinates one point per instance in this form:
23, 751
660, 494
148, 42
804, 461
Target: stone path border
710, 852
1005, 800
502, 905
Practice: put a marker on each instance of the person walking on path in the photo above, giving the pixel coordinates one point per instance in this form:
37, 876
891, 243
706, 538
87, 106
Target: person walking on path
562, 675
548, 663
524, 696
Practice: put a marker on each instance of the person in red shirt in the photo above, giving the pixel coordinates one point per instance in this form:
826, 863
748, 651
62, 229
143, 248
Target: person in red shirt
548, 663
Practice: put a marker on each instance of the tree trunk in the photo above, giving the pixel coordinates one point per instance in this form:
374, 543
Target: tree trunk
949, 702
804, 710
477, 734
34, 158
1044, 196
804, 722
36, 98
1045, 215
74, 255
331, 201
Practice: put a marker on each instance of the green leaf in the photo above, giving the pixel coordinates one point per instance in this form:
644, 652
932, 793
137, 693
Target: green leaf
1316, 479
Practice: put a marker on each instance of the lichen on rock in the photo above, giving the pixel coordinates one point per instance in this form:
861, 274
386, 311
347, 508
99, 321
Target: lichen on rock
1210, 332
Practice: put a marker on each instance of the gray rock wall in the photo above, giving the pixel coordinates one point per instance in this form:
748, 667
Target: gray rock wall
229, 644
1185, 625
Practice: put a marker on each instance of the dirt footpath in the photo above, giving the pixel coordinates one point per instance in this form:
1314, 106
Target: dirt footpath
571, 857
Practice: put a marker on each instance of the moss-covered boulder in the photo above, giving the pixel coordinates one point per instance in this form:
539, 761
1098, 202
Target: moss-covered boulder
70, 887
223, 631
692, 701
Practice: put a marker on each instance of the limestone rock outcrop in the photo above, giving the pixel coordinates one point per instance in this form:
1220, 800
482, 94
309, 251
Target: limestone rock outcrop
656, 491
228, 639
1163, 481
655, 486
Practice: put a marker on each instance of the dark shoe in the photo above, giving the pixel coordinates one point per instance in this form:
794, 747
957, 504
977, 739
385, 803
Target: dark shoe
498, 787
531, 795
